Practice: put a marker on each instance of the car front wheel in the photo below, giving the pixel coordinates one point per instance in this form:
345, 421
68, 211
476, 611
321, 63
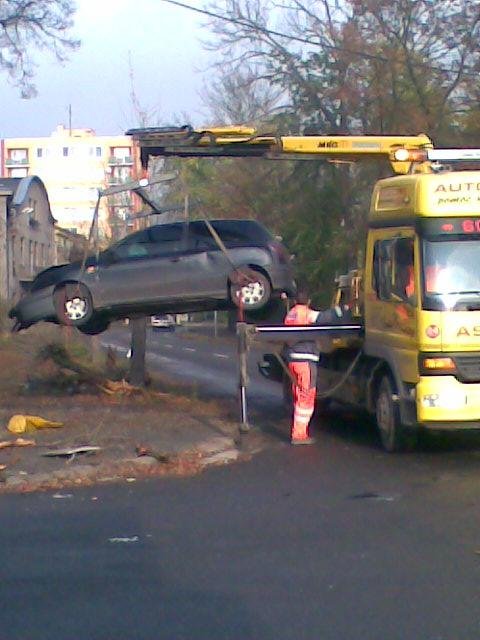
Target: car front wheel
252, 294
94, 327
73, 303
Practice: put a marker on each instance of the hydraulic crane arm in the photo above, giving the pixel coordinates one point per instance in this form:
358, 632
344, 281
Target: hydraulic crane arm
241, 142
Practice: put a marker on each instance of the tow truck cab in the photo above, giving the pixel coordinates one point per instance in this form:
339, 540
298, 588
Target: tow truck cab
420, 305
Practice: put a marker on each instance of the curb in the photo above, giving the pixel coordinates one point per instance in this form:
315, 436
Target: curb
214, 452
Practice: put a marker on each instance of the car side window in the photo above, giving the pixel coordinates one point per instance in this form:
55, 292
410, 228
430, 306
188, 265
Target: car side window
167, 240
132, 248
200, 238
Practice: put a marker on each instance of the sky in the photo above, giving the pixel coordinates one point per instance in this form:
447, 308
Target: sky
168, 61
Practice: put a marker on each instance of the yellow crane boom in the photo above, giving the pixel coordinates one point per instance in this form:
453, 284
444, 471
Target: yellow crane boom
240, 142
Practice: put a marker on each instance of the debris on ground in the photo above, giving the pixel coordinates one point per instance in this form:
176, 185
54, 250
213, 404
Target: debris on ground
59, 369
122, 387
132, 539
70, 451
146, 451
18, 442
20, 423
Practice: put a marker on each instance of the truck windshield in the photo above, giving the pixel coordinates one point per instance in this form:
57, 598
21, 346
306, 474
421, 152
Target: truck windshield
451, 274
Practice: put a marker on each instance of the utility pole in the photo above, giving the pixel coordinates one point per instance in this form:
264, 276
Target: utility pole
138, 346
138, 325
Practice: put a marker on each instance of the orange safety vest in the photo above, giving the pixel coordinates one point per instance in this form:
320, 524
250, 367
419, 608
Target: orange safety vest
305, 350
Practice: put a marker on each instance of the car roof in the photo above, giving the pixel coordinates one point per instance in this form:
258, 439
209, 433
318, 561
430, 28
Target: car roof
218, 222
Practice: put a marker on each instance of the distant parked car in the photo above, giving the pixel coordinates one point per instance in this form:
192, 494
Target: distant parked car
169, 268
163, 322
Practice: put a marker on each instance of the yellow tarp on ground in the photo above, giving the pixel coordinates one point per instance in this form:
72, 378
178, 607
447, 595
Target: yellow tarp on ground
24, 424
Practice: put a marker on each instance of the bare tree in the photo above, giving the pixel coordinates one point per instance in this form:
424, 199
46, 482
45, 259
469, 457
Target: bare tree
366, 66
239, 97
28, 26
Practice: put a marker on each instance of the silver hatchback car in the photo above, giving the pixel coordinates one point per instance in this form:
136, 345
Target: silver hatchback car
168, 268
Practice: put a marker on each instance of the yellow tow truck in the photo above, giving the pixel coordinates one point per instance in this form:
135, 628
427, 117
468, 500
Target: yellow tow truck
416, 364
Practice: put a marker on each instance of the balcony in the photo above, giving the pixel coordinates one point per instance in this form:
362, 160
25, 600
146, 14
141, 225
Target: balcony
127, 160
16, 162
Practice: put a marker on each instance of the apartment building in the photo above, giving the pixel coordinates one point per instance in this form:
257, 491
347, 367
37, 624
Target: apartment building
74, 164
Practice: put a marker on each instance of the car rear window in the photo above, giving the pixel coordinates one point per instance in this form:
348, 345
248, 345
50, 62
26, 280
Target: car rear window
241, 231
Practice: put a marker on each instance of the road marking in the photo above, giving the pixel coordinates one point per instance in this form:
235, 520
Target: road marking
168, 346
188, 349
220, 355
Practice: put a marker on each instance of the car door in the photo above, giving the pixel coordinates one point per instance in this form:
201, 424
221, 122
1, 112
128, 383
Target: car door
122, 272
208, 265
147, 268
170, 275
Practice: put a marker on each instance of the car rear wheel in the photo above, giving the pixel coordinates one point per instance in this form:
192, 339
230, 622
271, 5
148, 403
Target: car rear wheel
252, 295
73, 303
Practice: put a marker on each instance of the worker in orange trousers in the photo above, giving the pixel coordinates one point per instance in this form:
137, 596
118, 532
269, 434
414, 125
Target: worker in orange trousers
302, 363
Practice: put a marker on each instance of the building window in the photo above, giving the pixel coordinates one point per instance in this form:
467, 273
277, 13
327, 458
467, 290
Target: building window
98, 152
18, 173
22, 251
18, 155
65, 152
39, 152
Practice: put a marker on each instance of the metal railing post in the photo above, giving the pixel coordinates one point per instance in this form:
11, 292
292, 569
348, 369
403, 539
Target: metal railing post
242, 345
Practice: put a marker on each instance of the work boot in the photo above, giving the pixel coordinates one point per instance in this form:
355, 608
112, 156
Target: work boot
297, 441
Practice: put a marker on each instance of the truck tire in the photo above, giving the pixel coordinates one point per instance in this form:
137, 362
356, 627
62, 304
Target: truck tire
392, 433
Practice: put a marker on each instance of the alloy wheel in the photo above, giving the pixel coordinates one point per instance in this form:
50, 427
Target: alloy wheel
76, 308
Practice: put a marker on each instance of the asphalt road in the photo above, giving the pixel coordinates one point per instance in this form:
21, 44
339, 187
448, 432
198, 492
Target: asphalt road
338, 541
200, 359
335, 541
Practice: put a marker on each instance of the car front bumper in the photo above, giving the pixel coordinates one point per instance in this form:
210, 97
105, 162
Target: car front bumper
34, 307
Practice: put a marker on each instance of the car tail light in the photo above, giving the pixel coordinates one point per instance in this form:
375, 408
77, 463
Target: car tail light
280, 251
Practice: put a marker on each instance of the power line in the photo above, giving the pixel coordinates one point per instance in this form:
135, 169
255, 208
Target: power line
272, 32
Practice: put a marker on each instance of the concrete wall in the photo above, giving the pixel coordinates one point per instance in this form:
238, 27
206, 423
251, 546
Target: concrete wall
3, 246
27, 243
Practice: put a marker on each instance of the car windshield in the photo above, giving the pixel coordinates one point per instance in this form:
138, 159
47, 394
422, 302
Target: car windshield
451, 271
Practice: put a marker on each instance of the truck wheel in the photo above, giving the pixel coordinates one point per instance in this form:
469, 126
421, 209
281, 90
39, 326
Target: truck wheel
73, 303
392, 432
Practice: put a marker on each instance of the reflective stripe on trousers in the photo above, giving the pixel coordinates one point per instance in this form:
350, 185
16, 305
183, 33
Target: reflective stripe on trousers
304, 392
